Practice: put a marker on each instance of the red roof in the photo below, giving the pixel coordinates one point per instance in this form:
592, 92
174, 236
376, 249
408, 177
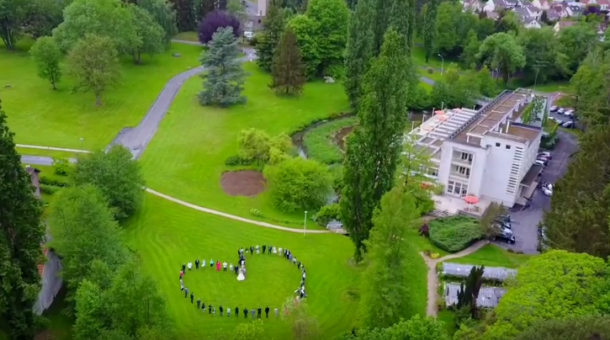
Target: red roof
45, 251
603, 2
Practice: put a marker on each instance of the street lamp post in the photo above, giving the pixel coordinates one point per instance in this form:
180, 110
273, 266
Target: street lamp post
305, 223
442, 64
82, 141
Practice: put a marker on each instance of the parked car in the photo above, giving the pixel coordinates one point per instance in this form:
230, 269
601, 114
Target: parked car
568, 112
540, 162
556, 120
545, 153
504, 224
569, 124
554, 108
505, 235
547, 189
561, 110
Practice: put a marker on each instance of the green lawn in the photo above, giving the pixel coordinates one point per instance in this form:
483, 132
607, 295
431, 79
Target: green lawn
417, 276
560, 86
166, 235
40, 116
187, 36
320, 141
435, 75
419, 58
186, 157
493, 256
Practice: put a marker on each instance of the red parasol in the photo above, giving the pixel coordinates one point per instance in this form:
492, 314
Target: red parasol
471, 199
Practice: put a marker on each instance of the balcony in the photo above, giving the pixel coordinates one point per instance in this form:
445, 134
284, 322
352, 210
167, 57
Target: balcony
458, 175
462, 158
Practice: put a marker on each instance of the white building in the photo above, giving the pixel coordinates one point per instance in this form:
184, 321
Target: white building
262, 7
486, 153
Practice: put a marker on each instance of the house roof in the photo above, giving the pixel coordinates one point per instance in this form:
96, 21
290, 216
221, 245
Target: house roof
603, 2
552, 15
564, 24
523, 13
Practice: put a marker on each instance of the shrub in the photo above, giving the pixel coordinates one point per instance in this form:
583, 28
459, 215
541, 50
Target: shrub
327, 213
454, 233
61, 166
298, 184
53, 182
49, 189
430, 70
236, 160
256, 212
424, 230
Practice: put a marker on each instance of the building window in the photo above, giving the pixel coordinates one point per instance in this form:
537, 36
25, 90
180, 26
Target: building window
433, 172
457, 188
498, 145
466, 157
450, 187
507, 147
462, 170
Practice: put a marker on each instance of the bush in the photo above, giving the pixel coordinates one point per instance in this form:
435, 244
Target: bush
256, 212
53, 182
236, 160
454, 233
337, 72
430, 70
62, 166
298, 184
49, 189
326, 214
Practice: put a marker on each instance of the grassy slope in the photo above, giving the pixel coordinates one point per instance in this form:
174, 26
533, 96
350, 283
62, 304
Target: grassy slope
186, 157
187, 36
166, 235
47, 153
320, 143
41, 116
493, 256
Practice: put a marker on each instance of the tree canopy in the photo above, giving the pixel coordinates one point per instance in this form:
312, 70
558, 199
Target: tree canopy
46, 54
213, 22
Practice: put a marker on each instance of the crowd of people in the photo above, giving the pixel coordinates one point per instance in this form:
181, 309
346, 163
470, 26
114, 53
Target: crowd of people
239, 269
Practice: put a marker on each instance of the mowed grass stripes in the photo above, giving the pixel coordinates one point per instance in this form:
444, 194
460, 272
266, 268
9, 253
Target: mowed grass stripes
40, 116
166, 235
186, 157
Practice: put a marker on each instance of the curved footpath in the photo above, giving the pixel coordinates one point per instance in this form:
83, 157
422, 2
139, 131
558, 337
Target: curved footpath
433, 282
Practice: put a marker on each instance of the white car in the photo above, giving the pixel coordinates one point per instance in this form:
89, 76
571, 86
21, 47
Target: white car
546, 154
568, 113
539, 162
248, 34
547, 189
553, 108
561, 111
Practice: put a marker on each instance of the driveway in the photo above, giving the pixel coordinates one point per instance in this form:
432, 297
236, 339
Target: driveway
525, 225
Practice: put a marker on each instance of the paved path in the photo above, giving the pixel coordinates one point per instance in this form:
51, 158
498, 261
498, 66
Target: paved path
41, 160
433, 283
233, 217
50, 148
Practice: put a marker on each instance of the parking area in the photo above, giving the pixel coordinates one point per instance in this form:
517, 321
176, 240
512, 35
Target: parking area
525, 225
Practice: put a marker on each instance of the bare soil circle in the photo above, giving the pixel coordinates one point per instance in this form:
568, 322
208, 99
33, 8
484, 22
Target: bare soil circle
247, 183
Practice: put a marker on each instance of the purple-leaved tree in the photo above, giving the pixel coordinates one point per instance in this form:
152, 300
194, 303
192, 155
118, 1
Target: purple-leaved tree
215, 20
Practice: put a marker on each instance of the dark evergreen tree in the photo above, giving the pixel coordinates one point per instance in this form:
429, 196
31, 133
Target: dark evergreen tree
402, 18
224, 79
287, 69
21, 235
578, 218
372, 161
185, 15
359, 49
469, 292
274, 26
381, 22
429, 30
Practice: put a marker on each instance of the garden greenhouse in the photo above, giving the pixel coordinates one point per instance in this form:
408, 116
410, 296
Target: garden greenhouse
489, 297
490, 274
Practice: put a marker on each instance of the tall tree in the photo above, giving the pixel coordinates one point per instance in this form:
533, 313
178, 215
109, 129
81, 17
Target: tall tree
237, 8
118, 177
543, 58
186, 14
378, 141
589, 88
305, 30
151, 36
224, 80
274, 23
46, 54
105, 18
446, 36
469, 292
331, 19
13, 14
287, 69
164, 14
471, 49
84, 230
43, 16
429, 29
359, 50
576, 41
502, 52
94, 63
402, 19
21, 235
385, 294
578, 219
416, 328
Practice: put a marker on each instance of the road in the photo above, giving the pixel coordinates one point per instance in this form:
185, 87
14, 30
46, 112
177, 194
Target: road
525, 227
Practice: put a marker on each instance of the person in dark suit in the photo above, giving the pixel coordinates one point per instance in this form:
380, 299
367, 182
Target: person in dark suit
245, 313
220, 309
267, 312
264, 247
252, 250
197, 264
198, 303
203, 306
259, 312
192, 297
186, 292
210, 309
237, 312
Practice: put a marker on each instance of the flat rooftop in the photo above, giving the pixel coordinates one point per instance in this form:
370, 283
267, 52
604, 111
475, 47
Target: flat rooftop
493, 116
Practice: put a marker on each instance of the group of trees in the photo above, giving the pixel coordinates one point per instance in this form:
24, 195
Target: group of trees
95, 33
504, 44
190, 13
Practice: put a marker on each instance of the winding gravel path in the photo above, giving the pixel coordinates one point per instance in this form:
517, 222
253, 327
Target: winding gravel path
433, 282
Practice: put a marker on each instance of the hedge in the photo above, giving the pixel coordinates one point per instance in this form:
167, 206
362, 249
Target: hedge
455, 233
